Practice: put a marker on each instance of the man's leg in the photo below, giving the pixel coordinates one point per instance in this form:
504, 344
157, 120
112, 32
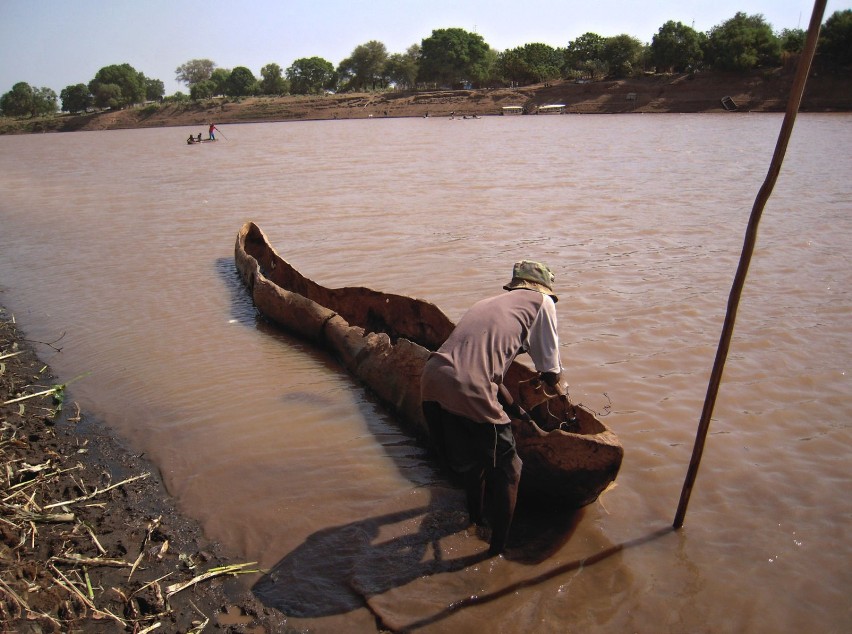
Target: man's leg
455, 439
434, 415
502, 482
474, 484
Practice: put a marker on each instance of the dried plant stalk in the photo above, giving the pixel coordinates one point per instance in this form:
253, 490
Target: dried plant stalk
235, 569
97, 492
75, 559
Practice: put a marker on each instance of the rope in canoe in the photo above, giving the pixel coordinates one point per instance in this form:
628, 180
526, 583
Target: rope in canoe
796, 92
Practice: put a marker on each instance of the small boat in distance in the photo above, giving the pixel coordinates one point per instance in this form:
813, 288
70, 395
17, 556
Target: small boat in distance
384, 340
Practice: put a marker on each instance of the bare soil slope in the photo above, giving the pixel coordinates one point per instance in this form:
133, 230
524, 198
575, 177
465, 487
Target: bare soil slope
763, 91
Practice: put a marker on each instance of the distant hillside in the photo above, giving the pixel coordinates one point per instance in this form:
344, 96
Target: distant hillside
764, 91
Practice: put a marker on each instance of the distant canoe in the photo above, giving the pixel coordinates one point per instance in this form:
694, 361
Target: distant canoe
188, 142
554, 108
384, 340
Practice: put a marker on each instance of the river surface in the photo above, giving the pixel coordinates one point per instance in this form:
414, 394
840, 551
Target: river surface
119, 246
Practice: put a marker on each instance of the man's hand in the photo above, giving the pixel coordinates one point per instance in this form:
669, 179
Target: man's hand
522, 414
554, 380
551, 378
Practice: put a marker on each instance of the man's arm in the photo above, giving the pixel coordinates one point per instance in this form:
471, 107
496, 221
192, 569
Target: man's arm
512, 409
544, 342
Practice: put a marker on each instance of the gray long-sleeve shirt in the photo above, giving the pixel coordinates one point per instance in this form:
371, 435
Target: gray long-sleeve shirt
464, 375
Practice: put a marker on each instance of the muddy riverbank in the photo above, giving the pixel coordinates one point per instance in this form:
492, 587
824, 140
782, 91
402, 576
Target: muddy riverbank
91, 540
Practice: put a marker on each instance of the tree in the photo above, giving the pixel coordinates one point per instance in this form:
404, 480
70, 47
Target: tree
25, 100
273, 82
241, 82
623, 53
311, 75
365, 67
177, 97
676, 47
835, 46
485, 73
18, 102
76, 98
108, 96
511, 66
194, 71
402, 68
154, 89
118, 86
220, 77
586, 54
544, 61
742, 43
792, 40
452, 56
44, 101
202, 90
531, 63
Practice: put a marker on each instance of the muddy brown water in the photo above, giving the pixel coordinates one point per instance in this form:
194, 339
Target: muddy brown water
122, 243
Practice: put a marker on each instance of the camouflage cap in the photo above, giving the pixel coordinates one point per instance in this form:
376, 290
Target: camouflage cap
534, 276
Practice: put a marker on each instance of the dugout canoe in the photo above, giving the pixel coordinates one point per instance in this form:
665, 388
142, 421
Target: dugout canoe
384, 340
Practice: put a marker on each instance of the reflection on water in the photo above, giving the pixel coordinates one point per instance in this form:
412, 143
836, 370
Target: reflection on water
124, 242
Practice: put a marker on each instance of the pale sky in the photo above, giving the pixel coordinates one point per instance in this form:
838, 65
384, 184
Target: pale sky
56, 43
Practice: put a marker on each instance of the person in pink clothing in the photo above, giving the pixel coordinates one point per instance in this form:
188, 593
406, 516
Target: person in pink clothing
466, 405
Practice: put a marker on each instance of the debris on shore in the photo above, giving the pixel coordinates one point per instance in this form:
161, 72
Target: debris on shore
89, 538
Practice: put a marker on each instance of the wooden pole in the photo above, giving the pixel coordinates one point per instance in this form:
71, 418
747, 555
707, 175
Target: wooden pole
795, 99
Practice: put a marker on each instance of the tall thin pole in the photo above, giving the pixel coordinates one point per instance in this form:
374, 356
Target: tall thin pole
793, 103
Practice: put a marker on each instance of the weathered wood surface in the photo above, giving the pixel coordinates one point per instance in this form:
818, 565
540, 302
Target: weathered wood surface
385, 339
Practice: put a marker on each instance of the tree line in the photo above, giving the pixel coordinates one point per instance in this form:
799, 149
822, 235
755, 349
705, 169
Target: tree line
455, 58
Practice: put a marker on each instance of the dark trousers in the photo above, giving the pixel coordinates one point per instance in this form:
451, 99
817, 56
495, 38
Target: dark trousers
485, 457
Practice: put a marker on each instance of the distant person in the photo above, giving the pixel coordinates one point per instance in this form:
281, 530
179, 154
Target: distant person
211, 130
199, 137
466, 405
191, 139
